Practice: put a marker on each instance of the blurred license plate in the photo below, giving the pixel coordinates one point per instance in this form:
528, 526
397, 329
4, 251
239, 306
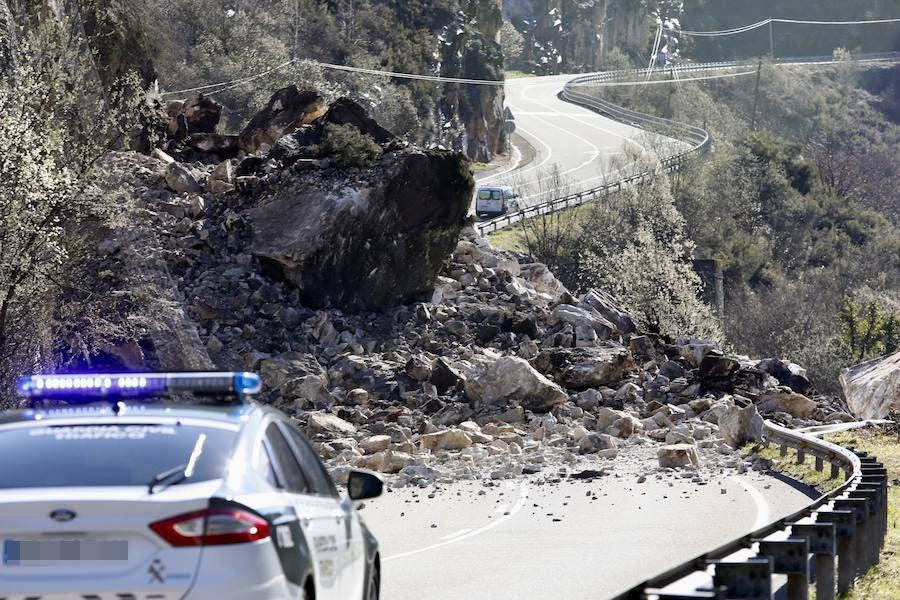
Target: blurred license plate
36, 553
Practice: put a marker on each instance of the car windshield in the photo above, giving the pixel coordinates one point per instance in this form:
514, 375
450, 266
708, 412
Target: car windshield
108, 454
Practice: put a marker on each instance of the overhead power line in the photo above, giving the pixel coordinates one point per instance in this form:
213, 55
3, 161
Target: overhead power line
766, 22
226, 85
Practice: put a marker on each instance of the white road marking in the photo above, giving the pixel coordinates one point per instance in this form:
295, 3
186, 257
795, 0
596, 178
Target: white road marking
523, 493
531, 139
514, 164
763, 516
457, 533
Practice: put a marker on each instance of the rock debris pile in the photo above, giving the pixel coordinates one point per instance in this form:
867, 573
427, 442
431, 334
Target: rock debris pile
404, 343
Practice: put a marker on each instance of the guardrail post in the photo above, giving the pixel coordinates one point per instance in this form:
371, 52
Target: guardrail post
784, 450
835, 471
749, 579
872, 495
860, 507
845, 527
879, 478
801, 456
820, 464
823, 543
790, 557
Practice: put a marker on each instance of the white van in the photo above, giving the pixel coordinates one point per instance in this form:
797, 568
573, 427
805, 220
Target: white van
495, 201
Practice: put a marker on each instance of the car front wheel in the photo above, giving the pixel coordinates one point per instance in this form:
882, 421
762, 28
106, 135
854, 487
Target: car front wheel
373, 586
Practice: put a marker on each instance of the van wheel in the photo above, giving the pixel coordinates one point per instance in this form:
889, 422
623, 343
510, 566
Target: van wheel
373, 586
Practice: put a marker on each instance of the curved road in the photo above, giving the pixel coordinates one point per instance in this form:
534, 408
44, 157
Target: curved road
529, 538
587, 148
573, 539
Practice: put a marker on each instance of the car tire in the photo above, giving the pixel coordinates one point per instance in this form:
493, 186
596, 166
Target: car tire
373, 585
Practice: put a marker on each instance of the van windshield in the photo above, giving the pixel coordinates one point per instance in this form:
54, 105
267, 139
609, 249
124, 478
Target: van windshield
489, 195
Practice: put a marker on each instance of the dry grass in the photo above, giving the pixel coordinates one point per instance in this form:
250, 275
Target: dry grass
820, 480
882, 582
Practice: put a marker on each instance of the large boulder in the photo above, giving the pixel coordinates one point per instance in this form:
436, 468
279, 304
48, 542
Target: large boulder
678, 456
577, 316
365, 241
610, 309
344, 111
872, 388
583, 368
449, 439
787, 373
288, 109
511, 378
197, 114
782, 400
739, 426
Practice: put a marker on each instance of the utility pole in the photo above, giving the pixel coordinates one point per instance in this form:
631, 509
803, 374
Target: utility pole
771, 41
756, 97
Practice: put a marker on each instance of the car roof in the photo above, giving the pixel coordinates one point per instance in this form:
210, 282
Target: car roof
236, 414
495, 187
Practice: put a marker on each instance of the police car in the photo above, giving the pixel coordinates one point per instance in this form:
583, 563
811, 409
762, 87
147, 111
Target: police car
163, 486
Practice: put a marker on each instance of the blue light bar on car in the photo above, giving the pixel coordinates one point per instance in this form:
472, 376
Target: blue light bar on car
137, 384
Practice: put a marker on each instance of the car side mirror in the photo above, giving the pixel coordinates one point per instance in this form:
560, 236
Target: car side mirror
362, 485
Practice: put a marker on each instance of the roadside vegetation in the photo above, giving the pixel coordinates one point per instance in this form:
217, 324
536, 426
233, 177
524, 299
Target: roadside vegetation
57, 125
797, 203
883, 580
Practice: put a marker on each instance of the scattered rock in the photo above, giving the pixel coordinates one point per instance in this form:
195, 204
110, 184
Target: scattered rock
449, 439
511, 378
740, 426
180, 180
796, 405
679, 456
321, 422
594, 442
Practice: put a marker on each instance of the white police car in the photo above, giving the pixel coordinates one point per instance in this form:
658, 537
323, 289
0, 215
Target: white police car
161, 486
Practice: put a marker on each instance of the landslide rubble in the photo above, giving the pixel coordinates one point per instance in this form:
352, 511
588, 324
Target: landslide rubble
404, 343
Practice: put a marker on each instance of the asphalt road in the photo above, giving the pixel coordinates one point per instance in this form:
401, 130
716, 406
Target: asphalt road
587, 148
572, 539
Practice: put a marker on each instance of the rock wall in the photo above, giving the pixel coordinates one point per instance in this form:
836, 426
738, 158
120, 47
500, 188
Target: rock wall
470, 49
568, 36
7, 36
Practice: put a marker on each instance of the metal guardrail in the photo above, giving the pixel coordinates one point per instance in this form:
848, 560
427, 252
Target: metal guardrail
844, 529
698, 139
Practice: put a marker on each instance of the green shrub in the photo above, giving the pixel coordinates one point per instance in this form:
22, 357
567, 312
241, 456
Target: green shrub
349, 147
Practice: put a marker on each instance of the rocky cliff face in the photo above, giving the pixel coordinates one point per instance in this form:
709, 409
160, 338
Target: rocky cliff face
565, 36
7, 36
469, 48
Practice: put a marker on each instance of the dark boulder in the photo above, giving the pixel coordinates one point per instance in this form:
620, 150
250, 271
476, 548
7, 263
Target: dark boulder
366, 241
222, 147
786, 373
584, 368
287, 111
197, 114
345, 111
